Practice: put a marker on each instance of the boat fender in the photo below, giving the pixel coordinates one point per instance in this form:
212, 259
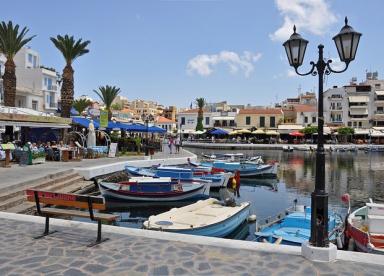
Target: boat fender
252, 218
234, 182
339, 242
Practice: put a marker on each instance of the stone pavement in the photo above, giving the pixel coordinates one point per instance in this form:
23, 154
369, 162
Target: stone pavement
66, 253
19, 174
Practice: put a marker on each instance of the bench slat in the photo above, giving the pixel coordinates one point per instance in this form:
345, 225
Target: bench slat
77, 213
68, 200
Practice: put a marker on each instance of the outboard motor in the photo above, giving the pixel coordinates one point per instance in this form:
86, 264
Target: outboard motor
229, 201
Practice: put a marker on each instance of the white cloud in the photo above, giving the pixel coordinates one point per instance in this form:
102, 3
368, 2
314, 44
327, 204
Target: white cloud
337, 64
312, 16
291, 73
204, 64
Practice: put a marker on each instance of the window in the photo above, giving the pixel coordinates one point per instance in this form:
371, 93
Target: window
262, 121
305, 119
34, 62
30, 58
207, 121
272, 122
349, 124
182, 121
377, 85
360, 124
34, 105
313, 119
248, 120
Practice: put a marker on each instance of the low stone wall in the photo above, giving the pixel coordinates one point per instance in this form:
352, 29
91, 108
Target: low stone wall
91, 172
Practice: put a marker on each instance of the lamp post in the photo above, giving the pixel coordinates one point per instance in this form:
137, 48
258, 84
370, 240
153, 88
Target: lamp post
148, 118
347, 41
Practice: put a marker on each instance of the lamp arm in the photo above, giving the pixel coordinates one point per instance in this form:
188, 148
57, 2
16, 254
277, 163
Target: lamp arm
336, 71
312, 71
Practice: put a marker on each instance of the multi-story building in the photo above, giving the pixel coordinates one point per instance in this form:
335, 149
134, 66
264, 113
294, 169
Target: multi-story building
267, 118
144, 108
170, 113
122, 101
307, 98
36, 85
187, 120
356, 105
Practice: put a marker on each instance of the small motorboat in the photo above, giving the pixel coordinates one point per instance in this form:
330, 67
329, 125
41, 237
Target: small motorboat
209, 217
294, 227
153, 189
219, 179
287, 148
246, 169
365, 227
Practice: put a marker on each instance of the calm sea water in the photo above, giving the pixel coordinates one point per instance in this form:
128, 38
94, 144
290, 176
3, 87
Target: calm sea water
359, 174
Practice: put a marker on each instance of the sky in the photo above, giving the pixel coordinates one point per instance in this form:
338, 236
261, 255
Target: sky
173, 51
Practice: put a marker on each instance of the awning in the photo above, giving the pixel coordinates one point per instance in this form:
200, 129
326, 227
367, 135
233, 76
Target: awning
223, 118
361, 131
379, 92
358, 99
286, 129
33, 124
376, 133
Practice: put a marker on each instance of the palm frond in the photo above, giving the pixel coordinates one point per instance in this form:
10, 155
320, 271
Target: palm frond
70, 48
107, 94
81, 104
11, 39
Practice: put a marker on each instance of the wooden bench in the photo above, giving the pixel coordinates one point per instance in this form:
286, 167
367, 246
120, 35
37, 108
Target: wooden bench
69, 200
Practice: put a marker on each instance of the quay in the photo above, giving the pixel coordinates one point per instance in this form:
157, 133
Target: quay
144, 252
244, 146
69, 177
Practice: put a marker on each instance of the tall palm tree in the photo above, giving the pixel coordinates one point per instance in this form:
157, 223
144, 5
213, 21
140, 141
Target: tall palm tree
81, 104
108, 94
11, 41
200, 102
71, 49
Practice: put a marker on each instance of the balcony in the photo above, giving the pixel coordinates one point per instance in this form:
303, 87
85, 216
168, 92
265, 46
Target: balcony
336, 108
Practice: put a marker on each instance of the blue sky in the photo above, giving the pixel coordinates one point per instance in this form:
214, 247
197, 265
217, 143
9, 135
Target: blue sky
173, 51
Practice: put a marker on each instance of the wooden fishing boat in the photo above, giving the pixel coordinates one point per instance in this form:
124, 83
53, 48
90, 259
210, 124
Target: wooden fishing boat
218, 180
208, 217
160, 189
294, 227
246, 169
366, 227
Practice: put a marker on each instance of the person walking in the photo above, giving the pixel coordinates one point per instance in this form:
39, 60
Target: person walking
170, 144
177, 144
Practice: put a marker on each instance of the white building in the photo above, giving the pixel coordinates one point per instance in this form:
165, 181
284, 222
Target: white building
36, 86
187, 120
356, 105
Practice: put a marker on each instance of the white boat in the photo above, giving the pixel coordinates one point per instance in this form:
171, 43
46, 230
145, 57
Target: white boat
287, 148
208, 217
366, 227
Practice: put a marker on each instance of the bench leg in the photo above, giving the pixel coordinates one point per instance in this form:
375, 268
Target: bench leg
98, 239
46, 229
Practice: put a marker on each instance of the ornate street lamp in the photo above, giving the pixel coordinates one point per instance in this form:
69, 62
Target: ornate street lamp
148, 118
347, 41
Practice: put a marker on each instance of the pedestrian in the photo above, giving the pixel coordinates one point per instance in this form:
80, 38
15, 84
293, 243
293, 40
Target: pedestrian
177, 144
170, 144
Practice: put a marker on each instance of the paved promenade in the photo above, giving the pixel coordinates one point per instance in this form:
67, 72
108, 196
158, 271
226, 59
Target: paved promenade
142, 252
21, 174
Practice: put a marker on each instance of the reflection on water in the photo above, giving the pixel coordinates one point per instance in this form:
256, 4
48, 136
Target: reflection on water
359, 174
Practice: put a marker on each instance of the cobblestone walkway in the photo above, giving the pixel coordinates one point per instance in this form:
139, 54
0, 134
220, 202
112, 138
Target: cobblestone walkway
65, 253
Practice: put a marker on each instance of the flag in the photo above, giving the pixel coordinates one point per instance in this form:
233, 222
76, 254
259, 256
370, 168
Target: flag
190, 106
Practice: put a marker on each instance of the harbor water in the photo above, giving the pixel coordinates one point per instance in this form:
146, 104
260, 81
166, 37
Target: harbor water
358, 173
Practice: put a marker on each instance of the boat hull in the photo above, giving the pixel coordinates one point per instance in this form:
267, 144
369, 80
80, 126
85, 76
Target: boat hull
220, 229
195, 190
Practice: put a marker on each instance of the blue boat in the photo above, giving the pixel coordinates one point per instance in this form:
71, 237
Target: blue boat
246, 169
295, 228
208, 217
184, 174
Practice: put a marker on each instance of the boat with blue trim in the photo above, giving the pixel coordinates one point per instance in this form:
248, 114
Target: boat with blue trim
209, 217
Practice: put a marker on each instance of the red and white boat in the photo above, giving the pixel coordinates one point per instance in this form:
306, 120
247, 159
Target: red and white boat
366, 227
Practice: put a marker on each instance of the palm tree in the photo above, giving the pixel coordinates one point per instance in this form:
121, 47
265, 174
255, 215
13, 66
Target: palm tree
11, 41
200, 102
108, 94
71, 49
81, 104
